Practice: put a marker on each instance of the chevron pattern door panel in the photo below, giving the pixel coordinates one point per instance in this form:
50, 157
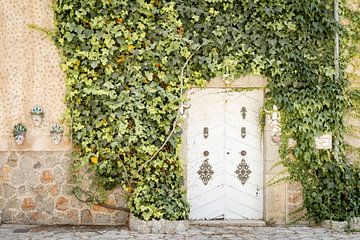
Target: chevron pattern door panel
224, 153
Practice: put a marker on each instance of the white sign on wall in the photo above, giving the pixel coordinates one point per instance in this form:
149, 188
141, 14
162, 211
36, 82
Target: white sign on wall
324, 141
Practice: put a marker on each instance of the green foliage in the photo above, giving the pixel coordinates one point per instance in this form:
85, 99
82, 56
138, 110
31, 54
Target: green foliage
123, 60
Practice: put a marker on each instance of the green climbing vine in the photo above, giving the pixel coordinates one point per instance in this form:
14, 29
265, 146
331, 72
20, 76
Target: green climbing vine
123, 62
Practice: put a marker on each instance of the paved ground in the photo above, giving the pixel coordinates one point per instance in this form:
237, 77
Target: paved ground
22, 232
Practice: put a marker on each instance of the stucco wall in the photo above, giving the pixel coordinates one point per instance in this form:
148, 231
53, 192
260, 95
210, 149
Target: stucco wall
29, 74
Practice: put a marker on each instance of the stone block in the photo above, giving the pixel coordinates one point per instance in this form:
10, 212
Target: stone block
161, 226
335, 225
46, 219
139, 226
44, 205
40, 192
27, 204
75, 203
72, 217
22, 190
54, 190
100, 209
120, 200
355, 223
66, 189
8, 191
121, 218
7, 216
181, 227
13, 162
24, 176
37, 165
157, 227
102, 219
5, 173
52, 161
21, 217
35, 217
86, 217
46, 177
13, 203
26, 162
62, 203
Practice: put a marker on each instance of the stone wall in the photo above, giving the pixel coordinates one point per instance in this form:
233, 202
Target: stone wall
35, 188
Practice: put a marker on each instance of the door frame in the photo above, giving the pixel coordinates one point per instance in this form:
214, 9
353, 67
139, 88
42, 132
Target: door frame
247, 83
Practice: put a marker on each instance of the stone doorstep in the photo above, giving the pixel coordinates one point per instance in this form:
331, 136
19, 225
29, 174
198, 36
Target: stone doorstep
161, 226
228, 223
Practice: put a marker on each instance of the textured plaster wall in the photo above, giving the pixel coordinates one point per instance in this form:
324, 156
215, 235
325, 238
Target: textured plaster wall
29, 74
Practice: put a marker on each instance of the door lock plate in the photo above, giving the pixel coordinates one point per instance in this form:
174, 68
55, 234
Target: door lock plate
206, 132
243, 132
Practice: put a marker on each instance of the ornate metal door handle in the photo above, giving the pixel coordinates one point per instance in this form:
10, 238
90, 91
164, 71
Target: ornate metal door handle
206, 132
243, 132
243, 112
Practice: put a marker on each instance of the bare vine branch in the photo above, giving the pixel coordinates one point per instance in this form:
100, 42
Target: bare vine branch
178, 112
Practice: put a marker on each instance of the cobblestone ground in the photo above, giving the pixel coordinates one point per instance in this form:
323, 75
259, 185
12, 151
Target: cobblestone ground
22, 232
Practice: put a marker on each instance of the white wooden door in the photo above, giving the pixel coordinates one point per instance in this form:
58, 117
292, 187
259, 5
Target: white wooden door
224, 153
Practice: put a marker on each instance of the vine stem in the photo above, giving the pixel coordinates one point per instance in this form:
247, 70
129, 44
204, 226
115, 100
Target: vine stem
154, 155
88, 200
178, 112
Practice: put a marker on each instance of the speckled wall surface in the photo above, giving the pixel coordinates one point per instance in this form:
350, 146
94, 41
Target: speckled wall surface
29, 74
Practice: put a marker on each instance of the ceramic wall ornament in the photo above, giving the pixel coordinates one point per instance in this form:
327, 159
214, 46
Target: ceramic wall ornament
274, 121
19, 133
56, 133
37, 114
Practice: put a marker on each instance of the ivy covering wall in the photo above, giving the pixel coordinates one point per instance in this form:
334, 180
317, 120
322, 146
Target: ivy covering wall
123, 61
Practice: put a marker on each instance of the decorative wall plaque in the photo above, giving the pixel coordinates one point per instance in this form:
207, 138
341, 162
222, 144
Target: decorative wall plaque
37, 114
323, 142
19, 132
205, 172
243, 171
56, 132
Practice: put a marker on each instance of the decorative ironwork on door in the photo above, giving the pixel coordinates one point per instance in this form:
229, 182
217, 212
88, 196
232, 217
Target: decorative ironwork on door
205, 172
243, 171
